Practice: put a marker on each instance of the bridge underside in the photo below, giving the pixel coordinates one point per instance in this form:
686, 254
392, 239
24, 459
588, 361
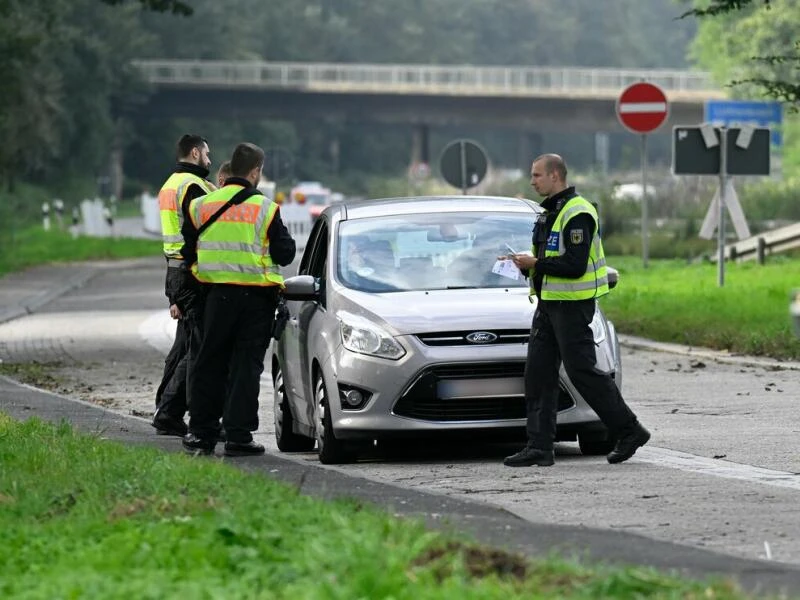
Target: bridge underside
520, 113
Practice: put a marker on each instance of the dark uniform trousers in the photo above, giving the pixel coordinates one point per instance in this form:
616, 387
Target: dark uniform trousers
560, 331
172, 392
225, 376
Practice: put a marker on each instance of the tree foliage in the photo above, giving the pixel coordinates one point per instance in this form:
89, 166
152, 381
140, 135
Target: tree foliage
761, 41
174, 6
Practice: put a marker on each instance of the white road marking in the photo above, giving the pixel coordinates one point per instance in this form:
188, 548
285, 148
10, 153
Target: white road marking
717, 468
158, 330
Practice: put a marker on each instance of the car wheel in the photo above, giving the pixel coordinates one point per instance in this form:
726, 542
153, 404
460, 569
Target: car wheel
595, 443
331, 450
285, 437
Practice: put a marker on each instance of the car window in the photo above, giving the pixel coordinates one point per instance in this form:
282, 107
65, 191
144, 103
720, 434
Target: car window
319, 257
305, 262
429, 251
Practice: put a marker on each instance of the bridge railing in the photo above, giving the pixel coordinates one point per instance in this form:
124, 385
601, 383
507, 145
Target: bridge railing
433, 79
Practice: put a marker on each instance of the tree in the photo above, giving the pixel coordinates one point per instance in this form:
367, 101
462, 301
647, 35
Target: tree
775, 62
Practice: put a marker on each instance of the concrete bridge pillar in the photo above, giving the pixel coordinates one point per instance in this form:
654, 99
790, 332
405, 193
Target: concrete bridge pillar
420, 145
335, 152
529, 146
601, 152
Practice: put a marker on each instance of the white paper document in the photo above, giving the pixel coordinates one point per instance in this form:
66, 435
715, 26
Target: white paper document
506, 268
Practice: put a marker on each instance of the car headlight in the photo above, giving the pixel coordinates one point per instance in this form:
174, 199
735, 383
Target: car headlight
597, 327
363, 336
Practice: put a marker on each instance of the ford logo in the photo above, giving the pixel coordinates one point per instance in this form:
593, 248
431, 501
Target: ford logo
481, 337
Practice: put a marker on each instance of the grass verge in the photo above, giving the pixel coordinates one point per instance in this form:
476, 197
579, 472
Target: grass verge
34, 246
672, 301
87, 518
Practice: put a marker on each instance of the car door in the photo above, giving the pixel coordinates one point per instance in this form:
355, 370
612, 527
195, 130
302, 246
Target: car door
290, 340
310, 321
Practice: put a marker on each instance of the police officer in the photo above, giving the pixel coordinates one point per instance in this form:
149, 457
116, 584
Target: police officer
188, 181
236, 240
567, 273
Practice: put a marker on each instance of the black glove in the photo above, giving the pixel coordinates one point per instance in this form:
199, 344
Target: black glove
281, 318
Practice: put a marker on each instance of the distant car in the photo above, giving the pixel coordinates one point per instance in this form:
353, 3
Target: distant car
399, 328
632, 191
313, 195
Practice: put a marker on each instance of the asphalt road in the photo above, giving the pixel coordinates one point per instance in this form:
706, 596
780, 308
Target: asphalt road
720, 473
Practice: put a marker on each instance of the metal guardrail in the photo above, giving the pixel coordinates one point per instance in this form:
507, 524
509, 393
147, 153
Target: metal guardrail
758, 246
425, 79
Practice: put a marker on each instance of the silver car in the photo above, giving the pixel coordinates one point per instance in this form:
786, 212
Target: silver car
403, 323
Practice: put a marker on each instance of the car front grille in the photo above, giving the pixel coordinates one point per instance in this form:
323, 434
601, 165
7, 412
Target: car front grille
424, 399
459, 338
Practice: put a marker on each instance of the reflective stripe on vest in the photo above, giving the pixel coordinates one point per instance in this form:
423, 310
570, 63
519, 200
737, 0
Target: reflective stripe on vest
170, 200
245, 261
594, 282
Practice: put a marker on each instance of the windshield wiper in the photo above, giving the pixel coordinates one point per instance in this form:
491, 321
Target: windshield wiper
462, 287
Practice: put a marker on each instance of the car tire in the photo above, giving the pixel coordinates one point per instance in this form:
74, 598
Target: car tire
286, 439
595, 443
331, 450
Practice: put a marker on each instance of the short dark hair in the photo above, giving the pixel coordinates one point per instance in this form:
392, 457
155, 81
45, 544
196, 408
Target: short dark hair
553, 162
246, 157
224, 169
187, 143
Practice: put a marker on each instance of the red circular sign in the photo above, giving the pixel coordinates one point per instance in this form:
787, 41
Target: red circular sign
642, 107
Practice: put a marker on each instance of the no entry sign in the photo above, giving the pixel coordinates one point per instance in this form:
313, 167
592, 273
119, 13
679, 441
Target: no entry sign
642, 107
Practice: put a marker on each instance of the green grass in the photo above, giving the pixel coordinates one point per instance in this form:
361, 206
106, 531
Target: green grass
86, 518
673, 301
33, 246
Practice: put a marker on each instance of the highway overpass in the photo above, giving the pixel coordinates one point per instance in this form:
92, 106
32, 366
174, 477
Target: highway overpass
523, 98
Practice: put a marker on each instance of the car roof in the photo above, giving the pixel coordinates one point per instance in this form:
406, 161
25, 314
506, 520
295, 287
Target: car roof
434, 204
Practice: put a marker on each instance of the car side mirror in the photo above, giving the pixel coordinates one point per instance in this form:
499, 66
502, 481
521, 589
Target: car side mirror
301, 287
613, 277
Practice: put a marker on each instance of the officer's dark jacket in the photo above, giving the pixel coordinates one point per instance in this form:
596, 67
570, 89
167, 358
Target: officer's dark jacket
572, 264
282, 247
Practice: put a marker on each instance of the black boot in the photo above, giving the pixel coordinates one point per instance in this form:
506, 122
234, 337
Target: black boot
530, 456
628, 443
168, 425
250, 448
195, 445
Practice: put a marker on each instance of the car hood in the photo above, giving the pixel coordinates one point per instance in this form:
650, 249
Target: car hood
443, 310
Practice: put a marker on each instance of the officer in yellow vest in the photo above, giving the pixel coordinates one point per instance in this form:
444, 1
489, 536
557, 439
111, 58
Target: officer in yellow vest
235, 240
567, 273
188, 181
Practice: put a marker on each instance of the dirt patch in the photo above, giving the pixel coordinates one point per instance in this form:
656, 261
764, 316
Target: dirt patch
127, 387
479, 562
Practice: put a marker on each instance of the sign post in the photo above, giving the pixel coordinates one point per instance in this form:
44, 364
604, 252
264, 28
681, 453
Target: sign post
709, 150
463, 164
642, 108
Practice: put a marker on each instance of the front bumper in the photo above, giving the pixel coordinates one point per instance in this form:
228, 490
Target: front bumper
443, 389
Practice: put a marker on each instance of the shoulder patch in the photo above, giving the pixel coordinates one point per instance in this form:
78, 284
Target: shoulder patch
576, 236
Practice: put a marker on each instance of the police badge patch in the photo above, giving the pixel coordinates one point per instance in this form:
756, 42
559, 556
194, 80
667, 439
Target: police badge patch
576, 236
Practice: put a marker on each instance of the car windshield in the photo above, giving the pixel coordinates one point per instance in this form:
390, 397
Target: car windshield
431, 251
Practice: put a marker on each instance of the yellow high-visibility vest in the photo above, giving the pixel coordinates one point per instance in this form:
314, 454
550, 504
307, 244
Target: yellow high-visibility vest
235, 248
170, 200
594, 282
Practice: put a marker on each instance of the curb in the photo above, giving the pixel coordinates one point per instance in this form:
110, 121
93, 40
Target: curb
720, 356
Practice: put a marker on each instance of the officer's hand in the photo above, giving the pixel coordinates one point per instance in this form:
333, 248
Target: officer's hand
174, 311
523, 261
